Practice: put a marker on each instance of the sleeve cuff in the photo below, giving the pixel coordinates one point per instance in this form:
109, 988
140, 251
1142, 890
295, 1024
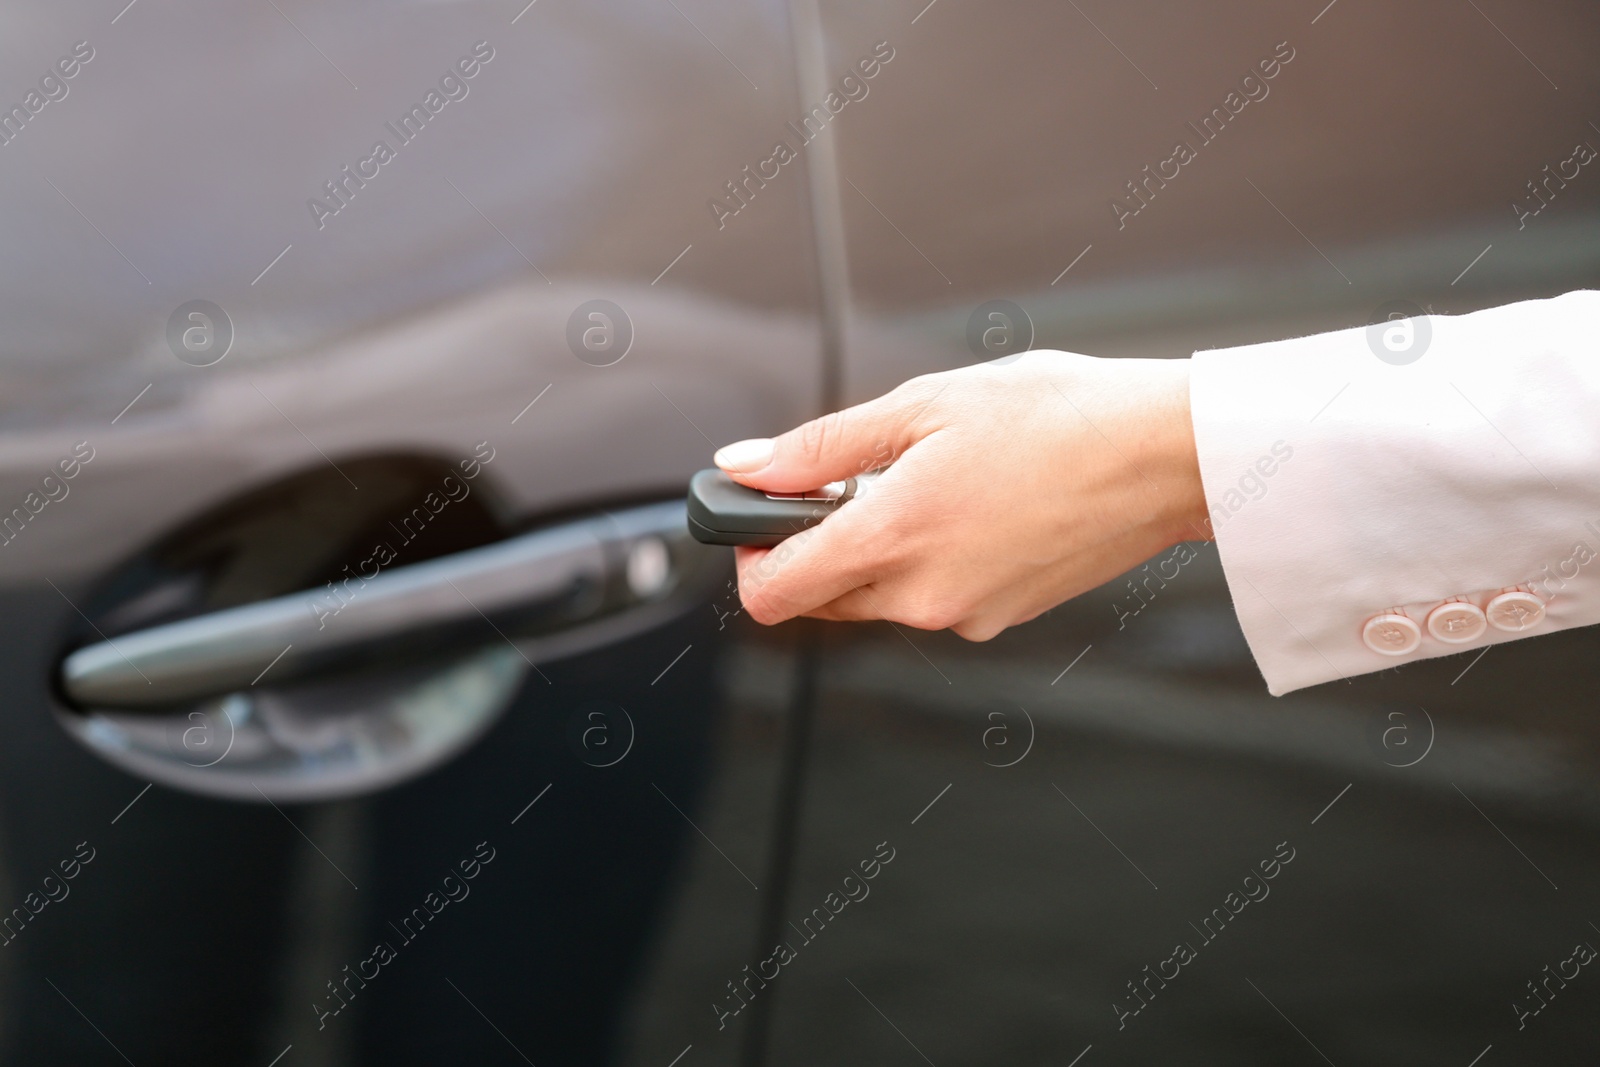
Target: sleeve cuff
1371, 510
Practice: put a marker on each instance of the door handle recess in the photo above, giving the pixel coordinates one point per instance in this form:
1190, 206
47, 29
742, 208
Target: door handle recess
570, 577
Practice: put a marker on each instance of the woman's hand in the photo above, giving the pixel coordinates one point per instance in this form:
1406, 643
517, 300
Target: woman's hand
1015, 486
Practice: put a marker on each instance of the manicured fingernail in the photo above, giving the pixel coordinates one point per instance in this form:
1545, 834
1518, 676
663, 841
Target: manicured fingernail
744, 457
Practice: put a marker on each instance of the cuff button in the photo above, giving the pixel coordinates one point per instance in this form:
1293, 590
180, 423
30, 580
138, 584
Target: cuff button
1515, 611
1391, 635
1457, 622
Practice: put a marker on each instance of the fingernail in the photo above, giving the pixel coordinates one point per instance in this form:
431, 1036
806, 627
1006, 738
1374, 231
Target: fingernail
744, 457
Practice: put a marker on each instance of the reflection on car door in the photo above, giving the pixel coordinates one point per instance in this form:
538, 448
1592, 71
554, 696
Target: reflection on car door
287, 275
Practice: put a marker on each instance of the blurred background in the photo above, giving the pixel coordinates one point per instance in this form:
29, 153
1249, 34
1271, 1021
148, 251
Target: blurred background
499, 345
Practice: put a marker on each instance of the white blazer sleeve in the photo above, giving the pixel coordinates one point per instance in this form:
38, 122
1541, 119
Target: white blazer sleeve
1372, 511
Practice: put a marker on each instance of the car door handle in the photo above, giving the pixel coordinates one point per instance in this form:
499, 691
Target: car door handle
537, 584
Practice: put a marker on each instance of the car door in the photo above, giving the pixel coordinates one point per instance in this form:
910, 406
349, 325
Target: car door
1096, 839
359, 670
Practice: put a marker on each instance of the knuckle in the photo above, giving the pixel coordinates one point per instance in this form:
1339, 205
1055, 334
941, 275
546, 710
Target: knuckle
759, 606
919, 393
977, 631
763, 598
923, 385
931, 615
820, 435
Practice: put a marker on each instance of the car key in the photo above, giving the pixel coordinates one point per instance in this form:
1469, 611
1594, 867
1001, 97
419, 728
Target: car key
723, 512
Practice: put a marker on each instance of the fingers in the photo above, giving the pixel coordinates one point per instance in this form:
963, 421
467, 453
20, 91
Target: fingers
836, 446
836, 563
813, 568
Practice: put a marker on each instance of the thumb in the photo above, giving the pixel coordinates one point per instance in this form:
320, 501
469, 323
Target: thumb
836, 446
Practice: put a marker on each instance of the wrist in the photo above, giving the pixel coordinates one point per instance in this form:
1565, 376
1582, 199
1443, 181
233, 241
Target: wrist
1183, 498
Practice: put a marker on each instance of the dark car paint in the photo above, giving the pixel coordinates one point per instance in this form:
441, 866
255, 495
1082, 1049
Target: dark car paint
410, 324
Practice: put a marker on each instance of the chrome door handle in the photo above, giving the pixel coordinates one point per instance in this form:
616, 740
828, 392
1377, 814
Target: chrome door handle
538, 584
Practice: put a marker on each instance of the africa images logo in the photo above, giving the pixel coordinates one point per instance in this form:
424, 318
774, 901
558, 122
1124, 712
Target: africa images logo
813, 123
53, 87
452, 86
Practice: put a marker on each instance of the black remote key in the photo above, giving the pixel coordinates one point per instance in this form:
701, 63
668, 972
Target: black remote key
723, 512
